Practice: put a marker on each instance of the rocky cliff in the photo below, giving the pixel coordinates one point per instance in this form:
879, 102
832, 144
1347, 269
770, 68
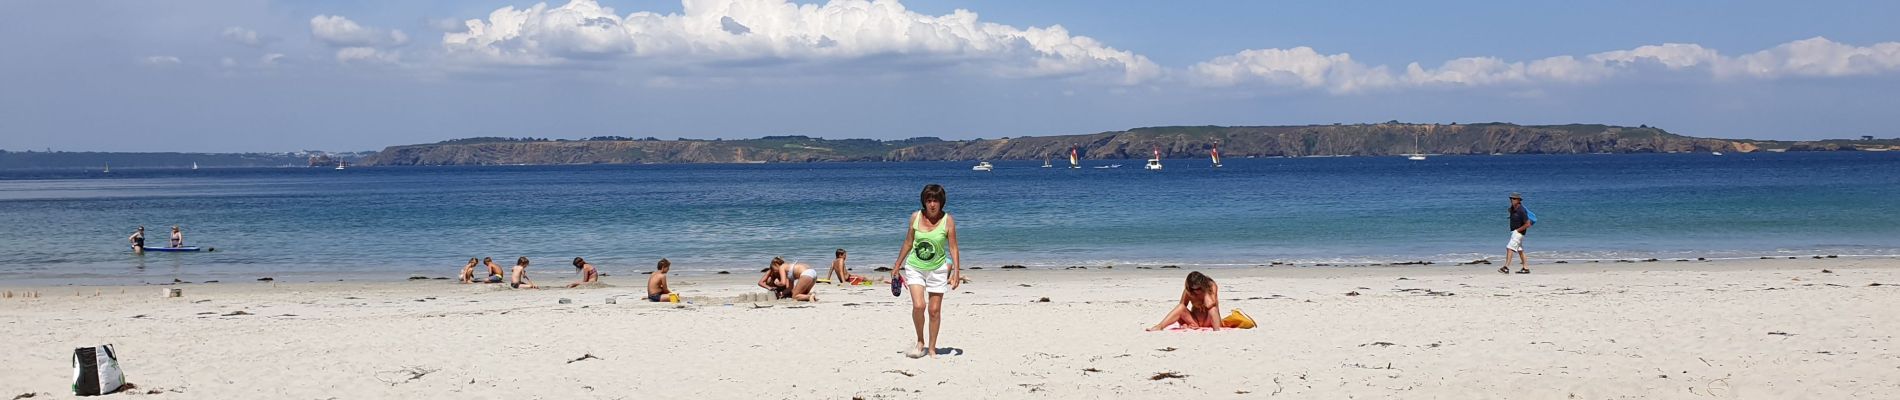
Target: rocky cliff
1173, 142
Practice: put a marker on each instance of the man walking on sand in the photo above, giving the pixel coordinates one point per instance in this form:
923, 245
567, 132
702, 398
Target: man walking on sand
1520, 224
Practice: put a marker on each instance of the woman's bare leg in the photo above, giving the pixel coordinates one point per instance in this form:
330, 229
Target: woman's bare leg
801, 290
936, 321
1178, 315
917, 313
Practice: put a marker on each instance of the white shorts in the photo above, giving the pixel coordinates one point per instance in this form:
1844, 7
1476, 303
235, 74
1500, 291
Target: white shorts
1517, 242
937, 281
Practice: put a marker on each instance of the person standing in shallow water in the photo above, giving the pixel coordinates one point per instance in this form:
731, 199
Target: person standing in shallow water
930, 265
1520, 225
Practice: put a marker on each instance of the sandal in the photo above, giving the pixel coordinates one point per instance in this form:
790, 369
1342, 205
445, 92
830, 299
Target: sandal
1504, 269
1523, 270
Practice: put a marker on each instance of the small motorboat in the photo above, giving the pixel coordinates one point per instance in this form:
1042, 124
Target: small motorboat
983, 166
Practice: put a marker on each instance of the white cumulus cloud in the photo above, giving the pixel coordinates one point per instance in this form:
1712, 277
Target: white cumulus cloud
365, 55
751, 31
160, 61
338, 31
1303, 67
245, 36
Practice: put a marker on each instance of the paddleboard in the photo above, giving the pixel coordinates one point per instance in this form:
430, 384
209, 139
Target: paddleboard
186, 248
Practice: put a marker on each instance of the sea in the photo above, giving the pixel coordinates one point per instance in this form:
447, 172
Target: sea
383, 223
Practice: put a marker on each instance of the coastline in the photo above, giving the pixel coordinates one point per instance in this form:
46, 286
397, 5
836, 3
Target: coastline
1590, 330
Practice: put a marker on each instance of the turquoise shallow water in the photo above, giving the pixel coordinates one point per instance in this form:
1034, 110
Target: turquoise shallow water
379, 223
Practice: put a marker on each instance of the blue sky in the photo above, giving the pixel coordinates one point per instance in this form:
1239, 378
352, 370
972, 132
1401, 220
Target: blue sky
255, 75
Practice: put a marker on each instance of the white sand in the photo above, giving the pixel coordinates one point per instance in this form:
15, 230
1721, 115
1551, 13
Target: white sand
1591, 331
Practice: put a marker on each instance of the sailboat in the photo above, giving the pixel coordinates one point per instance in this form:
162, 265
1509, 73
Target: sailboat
108, 168
339, 164
1216, 155
1072, 163
1416, 155
1045, 162
194, 166
1154, 164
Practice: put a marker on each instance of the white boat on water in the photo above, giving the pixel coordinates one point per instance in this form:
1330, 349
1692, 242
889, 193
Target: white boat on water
1154, 164
194, 166
1416, 154
339, 165
1072, 161
108, 168
1716, 153
1045, 163
1108, 166
1215, 154
983, 166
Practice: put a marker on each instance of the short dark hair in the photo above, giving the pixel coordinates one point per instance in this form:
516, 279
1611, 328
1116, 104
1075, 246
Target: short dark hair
578, 261
488, 259
931, 192
664, 264
840, 253
1197, 282
776, 261
523, 261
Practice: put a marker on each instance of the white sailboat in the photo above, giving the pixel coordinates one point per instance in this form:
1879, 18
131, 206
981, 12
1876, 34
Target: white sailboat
339, 164
108, 168
194, 166
1416, 154
1072, 162
1154, 164
1216, 154
1045, 162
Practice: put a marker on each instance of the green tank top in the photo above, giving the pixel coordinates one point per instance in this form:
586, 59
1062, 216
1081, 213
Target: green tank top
928, 249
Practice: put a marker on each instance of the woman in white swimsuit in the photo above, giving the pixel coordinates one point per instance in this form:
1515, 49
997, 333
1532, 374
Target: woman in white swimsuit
798, 278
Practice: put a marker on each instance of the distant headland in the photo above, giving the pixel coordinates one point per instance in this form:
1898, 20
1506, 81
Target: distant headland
1380, 139
1383, 139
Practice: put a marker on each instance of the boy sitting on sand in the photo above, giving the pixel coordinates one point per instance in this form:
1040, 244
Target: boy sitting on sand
520, 280
656, 284
1199, 306
588, 273
494, 271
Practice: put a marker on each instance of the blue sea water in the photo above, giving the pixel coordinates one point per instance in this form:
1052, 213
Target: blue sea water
391, 222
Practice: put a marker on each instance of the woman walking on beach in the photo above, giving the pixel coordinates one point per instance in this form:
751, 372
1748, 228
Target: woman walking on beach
930, 242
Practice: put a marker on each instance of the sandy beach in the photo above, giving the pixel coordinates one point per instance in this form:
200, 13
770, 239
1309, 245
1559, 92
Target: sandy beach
1771, 329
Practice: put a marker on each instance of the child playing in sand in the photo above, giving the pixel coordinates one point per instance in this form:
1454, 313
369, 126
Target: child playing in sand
656, 284
468, 271
520, 280
842, 273
1199, 306
930, 245
494, 271
588, 273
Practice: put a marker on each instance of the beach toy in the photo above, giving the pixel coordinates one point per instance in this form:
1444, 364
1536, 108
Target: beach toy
673, 297
1237, 319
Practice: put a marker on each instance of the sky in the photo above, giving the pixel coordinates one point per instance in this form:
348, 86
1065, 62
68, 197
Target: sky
352, 75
